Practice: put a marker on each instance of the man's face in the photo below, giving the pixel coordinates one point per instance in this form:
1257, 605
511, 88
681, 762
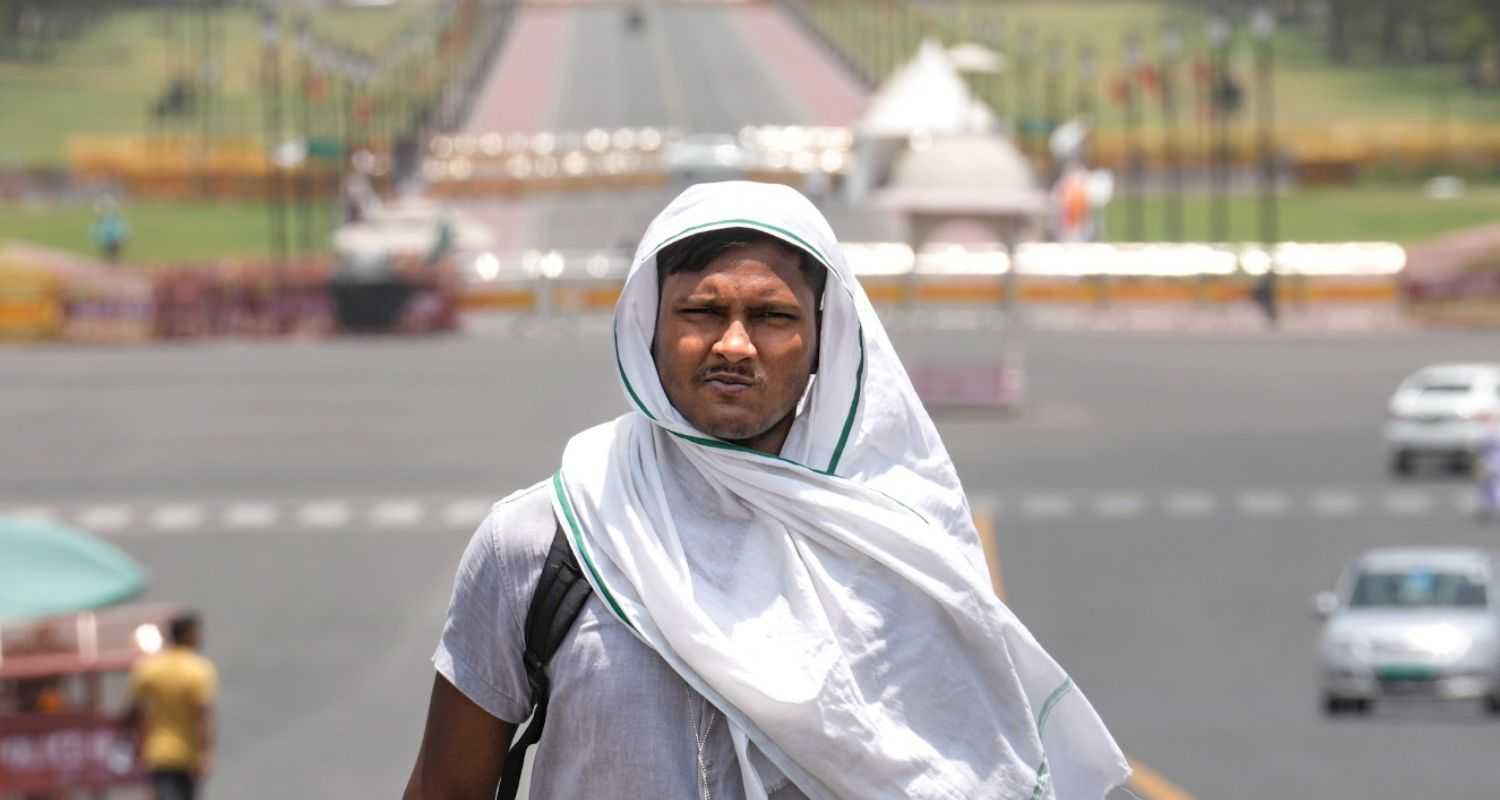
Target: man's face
735, 344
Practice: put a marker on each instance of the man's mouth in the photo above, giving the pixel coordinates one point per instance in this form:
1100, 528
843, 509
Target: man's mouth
728, 382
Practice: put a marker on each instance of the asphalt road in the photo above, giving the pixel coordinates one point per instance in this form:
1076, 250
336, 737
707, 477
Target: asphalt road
313, 499
693, 69
1165, 505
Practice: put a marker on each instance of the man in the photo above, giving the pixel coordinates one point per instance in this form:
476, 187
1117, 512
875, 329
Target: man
1487, 474
790, 600
110, 230
172, 697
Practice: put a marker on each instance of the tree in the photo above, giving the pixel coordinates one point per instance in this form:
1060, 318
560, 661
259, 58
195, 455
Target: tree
1339, 14
1392, 22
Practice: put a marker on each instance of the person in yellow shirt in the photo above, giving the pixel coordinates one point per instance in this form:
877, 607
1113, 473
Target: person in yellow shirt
172, 696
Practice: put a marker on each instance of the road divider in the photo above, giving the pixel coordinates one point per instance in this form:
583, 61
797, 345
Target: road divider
1080, 274
1152, 785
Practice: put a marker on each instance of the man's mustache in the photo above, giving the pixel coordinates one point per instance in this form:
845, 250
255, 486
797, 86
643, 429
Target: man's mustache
728, 372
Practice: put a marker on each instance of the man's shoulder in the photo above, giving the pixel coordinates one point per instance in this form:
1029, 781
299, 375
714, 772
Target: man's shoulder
184, 659
172, 664
202, 665
524, 508
520, 526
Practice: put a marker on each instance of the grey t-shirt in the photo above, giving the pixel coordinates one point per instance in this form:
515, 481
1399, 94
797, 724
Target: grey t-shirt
620, 722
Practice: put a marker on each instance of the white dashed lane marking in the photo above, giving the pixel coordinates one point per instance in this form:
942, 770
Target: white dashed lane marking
396, 513
1263, 504
251, 515
1408, 503
465, 513
176, 517
32, 513
106, 519
1119, 504
1335, 503
326, 514
1190, 504
417, 515
1047, 505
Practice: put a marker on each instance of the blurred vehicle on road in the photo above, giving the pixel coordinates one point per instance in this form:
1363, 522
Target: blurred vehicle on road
635, 18
1442, 411
397, 269
68, 640
705, 157
1412, 623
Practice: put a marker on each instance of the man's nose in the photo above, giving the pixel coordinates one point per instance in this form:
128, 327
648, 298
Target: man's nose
735, 344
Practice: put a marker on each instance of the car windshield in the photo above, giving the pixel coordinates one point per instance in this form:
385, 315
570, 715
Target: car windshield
1445, 388
1418, 589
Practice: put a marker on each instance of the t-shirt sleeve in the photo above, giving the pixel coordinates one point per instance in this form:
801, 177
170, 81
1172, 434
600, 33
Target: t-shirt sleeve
207, 687
482, 646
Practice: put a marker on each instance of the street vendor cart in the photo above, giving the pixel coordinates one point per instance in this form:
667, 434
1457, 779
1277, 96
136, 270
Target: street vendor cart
67, 645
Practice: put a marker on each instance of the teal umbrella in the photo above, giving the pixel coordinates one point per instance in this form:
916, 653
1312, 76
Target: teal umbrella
47, 568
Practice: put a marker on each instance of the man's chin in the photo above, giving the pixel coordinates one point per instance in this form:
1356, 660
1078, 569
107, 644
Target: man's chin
734, 434
732, 430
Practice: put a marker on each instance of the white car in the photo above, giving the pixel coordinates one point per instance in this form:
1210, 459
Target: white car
1446, 411
706, 156
1412, 623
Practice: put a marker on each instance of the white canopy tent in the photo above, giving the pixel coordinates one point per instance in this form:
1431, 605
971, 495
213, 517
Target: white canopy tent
924, 97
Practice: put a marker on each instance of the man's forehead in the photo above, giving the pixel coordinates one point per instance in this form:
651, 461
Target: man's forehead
748, 277
771, 251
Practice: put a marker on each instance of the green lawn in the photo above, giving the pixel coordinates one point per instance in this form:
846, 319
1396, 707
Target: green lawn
106, 82
1394, 214
1310, 91
368, 29
164, 232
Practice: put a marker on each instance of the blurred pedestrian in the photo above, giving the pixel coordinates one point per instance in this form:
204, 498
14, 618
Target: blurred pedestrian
172, 709
110, 230
360, 199
1487, 473
786, 591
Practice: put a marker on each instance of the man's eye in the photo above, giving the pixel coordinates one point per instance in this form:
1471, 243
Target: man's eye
696, 312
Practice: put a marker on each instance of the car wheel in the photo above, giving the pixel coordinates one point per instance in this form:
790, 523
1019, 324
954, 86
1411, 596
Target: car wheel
1340, 706
1403, 463
1460, 463
1492, 705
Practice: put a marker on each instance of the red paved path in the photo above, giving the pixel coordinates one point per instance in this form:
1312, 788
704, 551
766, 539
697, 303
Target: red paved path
524, 83
519, 96
808, 74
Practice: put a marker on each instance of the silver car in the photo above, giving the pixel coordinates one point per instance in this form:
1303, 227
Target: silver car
1412, 623
705, 156
1443, 411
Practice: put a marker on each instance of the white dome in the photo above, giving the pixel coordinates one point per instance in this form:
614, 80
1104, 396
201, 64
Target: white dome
963, 163
924, 94
971, 175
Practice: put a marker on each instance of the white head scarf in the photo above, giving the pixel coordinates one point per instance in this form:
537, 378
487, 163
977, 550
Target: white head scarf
831, 601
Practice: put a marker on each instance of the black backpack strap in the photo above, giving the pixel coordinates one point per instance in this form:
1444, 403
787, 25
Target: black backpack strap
560, 594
